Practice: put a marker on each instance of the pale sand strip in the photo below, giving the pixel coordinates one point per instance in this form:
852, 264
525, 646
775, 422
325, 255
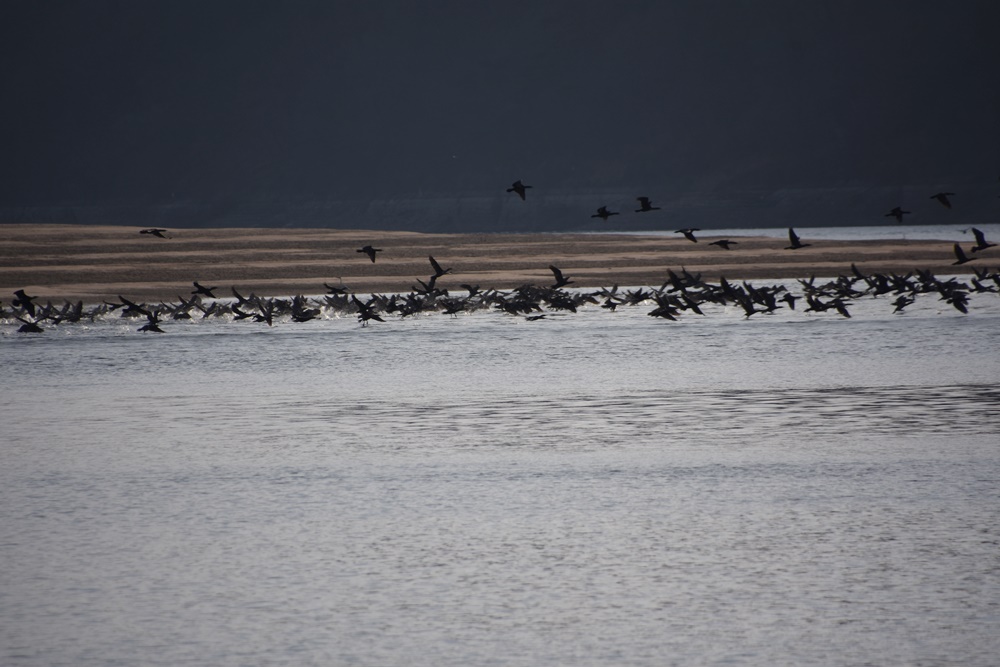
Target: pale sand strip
57, 262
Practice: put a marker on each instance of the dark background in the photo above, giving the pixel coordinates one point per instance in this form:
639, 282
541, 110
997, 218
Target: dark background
418, 115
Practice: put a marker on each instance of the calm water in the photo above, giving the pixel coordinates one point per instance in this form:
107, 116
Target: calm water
591, 489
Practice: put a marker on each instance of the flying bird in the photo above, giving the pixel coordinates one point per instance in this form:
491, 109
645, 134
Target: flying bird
561, 280
438, 271
519, 188
943, 198
897, 213
793, 238
162, 233
336, 289
24, 302
370, 251
603, 213
644, 205
688, 233
366, 311
201, 289
981, 243
28, 326
960, 256
724, 243
153, 324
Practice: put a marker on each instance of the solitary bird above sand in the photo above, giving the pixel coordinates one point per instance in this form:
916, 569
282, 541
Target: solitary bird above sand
519, 188
981, 243
793, 239
644, 205
162, 233
960, 256
370, 251
688, 233
943, 198
897, 213
724, 243
201, 289
438, 271
603, 213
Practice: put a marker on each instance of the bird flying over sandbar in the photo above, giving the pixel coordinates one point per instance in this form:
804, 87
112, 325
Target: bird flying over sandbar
370, 251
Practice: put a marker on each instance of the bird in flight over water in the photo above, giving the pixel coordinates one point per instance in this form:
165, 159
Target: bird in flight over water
897, 213
155, 231
25, 302
370, 251
644, 205
603, 213
943, 198
688, 233
724, 243
519, 188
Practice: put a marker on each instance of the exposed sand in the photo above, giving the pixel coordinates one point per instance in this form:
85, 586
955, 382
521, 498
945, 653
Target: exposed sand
75, 262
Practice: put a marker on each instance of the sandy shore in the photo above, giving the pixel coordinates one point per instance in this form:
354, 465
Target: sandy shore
74, 262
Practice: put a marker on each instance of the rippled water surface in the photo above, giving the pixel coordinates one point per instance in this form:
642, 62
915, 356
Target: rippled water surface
590, 489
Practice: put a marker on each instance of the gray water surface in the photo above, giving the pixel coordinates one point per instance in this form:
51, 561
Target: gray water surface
589, 489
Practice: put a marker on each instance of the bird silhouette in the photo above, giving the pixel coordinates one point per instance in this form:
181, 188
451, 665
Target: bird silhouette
688, 233
153, 323
793, 239
24, 302
438, 271
724, 243
519, 188
336, 289
28, 326
645, 206
960, 256
897, 213
603, 213
561, 280
943, 198
366, 311
981, 243
162, 233
370, 251
201, 289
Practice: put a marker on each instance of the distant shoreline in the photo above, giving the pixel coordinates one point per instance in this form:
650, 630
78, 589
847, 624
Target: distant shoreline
97, 263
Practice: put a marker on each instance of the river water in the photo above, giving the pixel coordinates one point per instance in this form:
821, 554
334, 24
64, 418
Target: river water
598, 488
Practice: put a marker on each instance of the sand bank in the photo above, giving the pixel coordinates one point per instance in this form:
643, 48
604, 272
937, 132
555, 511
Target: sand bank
94, 263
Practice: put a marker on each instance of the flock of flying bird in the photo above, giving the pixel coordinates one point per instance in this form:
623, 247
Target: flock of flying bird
684, 292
